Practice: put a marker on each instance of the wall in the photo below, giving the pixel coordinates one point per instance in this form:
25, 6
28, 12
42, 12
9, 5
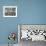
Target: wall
29, 12
7, 25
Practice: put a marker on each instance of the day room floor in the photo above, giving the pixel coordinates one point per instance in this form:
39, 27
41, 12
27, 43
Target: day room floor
34, 43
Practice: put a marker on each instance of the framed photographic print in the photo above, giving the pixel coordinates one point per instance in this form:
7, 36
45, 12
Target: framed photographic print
33, 32
9, 11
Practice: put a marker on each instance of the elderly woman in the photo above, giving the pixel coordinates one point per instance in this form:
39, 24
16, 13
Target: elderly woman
12, 36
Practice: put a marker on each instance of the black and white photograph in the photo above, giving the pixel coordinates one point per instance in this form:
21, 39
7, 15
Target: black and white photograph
29, 34
9, 11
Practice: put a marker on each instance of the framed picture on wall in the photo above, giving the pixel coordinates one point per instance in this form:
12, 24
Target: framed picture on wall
33, 32
9, 11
